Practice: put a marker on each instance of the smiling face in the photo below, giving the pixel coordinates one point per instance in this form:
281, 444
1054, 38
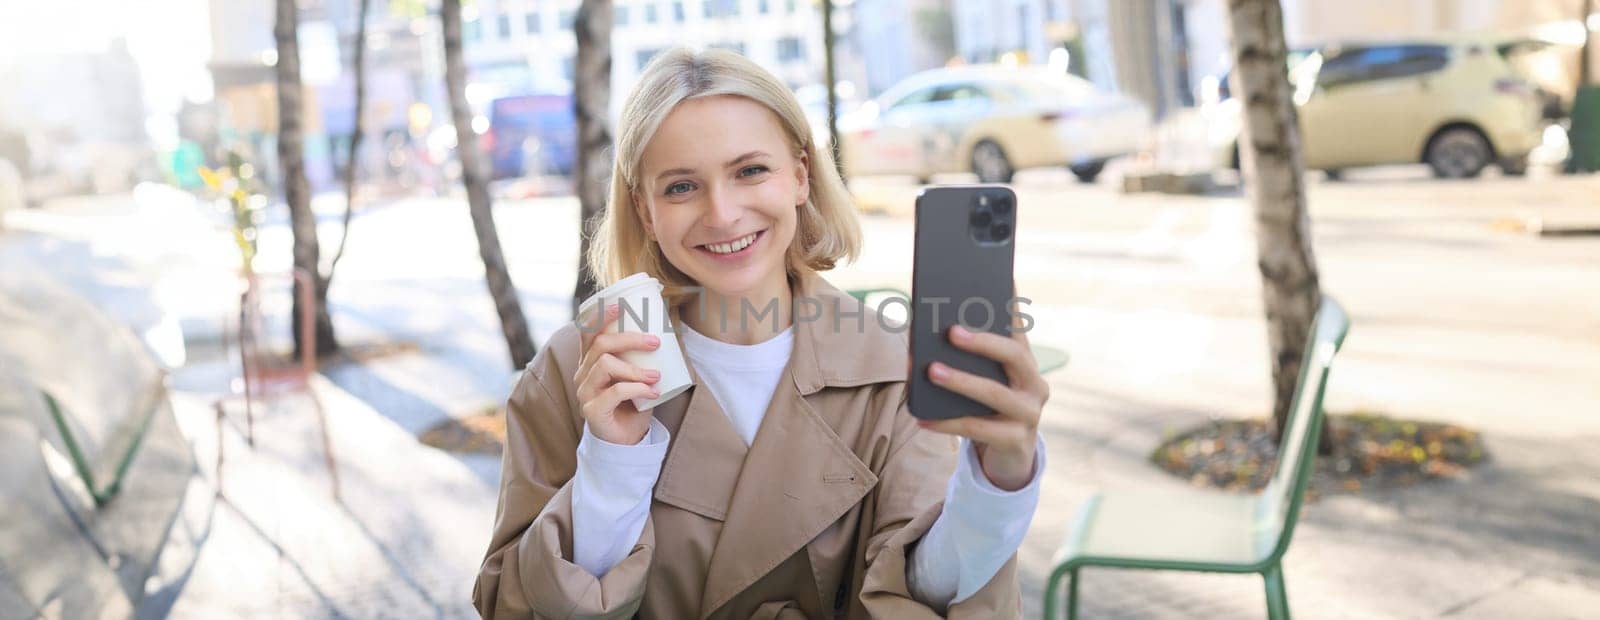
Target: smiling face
718, 189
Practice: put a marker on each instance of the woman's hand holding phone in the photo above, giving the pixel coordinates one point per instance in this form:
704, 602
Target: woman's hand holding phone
607, 384
1006, 441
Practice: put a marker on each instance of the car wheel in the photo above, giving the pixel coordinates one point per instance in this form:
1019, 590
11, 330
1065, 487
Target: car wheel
990, 164
1458, 153
1087, 173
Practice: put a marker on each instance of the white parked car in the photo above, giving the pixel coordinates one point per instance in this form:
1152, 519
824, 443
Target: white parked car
992, 121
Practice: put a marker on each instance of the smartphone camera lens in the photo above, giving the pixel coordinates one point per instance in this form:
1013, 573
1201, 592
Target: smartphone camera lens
1002, 205
1000, 232
981, 218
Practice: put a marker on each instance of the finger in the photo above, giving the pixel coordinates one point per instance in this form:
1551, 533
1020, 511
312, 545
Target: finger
618, 342
989, 430
587, 329
609, 369
613, 343
607, 401
998, 397
1014, 354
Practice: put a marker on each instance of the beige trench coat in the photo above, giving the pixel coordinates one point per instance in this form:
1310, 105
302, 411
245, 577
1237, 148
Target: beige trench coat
815, 519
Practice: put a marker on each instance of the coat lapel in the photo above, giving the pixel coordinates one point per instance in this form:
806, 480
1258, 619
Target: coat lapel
706, 456
798, 478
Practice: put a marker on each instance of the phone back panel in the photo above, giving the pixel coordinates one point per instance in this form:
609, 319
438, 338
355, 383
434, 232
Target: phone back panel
952, 269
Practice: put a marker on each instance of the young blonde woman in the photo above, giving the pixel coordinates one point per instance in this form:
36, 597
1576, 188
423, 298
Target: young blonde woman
790, 481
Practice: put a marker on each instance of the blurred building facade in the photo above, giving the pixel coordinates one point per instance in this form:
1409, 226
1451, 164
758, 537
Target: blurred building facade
74, 121
527, 47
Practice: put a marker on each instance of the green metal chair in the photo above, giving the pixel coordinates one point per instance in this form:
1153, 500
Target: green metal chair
1211, 532
1048, 358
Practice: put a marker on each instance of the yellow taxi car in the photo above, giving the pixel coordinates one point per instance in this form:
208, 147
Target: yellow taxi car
991, 120
1457, 105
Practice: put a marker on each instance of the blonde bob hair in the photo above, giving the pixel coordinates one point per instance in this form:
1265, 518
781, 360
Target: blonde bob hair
826, 231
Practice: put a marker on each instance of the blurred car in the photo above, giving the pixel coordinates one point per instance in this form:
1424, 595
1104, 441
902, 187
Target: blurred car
993, 121
531, 135
813, 100
1455, 104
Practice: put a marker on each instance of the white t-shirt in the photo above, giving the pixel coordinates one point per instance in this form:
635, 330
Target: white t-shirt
741, 377
980, 528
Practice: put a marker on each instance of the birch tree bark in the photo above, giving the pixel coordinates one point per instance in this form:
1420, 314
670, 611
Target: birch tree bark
513, 324
592, 102
1274, 179
296, 190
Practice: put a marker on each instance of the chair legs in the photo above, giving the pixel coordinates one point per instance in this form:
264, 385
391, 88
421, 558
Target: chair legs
1072, 595
1052, 588
1277, 597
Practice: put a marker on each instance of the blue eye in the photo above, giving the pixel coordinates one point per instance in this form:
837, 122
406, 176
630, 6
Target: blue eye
679, 188
750, 171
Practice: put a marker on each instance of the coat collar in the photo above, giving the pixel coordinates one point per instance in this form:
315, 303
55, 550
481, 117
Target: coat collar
798, 476
845, 345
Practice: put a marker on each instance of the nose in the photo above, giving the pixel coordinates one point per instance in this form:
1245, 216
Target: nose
722, 209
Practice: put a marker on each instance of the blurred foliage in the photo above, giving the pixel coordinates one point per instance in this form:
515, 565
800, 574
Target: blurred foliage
238, 185
1371, 451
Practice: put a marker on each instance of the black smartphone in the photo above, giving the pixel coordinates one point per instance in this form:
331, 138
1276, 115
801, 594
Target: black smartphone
961, 274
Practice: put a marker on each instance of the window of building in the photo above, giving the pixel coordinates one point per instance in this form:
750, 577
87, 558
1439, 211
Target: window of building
619, 15
531, 21
566, 19
677, 11
789, 6
650, 16
472, 32
720, 8
567, 65
502, 26
790, 49
762, 7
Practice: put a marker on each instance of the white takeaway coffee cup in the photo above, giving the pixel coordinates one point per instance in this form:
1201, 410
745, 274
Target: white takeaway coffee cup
642, 310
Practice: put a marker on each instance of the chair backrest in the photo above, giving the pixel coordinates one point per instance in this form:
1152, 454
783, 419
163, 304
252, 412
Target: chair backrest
1279, 505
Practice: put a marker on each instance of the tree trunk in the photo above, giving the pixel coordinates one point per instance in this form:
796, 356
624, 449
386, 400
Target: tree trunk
1273, 169
356, 131
512, 322
296, 191
591, 103
828, 81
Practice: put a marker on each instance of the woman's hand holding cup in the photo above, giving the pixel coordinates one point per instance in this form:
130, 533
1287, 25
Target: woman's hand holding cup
607, 384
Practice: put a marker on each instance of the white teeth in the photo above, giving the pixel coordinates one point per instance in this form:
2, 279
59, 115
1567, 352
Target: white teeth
735, 246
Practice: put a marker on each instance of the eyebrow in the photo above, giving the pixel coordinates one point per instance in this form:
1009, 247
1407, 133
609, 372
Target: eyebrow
731, 163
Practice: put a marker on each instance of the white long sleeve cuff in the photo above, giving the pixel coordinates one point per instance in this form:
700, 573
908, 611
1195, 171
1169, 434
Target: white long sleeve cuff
611, 493
981, 527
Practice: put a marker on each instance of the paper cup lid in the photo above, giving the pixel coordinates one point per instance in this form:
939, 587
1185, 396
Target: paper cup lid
617, 288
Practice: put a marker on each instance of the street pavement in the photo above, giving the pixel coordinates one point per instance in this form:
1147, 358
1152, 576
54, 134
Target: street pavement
1459, 316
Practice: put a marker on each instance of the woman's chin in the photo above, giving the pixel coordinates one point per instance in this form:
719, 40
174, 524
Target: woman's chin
747, 279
